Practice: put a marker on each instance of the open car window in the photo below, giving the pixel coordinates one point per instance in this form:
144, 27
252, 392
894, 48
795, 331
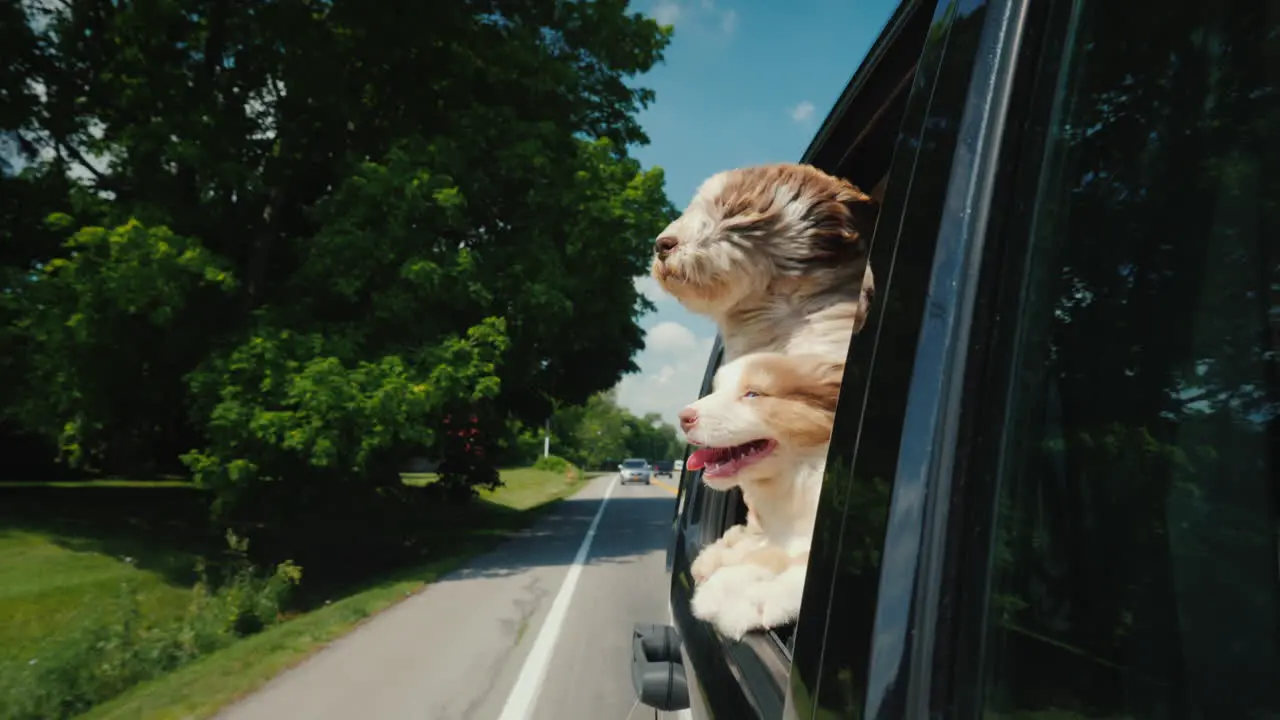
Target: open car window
858, 143
849, 660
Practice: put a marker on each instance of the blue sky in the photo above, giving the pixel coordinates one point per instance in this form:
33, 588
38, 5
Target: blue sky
745, 82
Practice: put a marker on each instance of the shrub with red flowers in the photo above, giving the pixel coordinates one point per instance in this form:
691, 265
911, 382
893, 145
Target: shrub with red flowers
465, 465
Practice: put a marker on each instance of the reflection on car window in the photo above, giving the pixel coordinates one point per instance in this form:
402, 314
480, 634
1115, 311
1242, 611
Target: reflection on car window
843, 583
1134, 565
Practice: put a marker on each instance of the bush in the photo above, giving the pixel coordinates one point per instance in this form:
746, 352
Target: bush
118, 647
552, 463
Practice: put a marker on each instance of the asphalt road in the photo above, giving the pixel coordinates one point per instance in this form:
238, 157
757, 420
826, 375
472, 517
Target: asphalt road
491, 640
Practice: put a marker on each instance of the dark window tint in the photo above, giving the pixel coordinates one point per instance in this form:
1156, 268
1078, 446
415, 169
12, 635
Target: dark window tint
831, 677
1134, 570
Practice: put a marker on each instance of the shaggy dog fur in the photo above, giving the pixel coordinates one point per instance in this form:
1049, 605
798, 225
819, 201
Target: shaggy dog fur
765, 428
776, 255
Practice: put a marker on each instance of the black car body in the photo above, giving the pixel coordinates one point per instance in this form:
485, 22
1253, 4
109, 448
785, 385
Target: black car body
1052, 485
663, 468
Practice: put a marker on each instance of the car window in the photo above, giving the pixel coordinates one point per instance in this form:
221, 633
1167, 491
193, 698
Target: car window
633, 464
1133, 565
694, 492
833, 638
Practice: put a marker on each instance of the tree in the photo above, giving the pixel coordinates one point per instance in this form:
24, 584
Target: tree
600, 432
297, 234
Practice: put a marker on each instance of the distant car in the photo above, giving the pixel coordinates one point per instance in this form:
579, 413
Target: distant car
635, 470
663, 468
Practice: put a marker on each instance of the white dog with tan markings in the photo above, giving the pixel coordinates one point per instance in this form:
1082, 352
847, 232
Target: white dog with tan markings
765, 428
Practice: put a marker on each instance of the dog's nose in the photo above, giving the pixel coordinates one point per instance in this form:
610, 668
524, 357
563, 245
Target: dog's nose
688, 418
665, 245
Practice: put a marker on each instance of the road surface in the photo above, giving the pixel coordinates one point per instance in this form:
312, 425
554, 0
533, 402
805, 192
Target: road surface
491, 641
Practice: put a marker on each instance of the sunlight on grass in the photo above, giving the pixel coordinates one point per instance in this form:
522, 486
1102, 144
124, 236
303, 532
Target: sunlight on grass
525, 488
47, 588
418, 479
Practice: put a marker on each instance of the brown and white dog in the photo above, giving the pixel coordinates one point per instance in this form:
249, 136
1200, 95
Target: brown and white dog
765, 428
776, 255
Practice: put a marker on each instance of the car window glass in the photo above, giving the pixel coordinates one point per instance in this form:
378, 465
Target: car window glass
832, 648
1134, 562
693, 478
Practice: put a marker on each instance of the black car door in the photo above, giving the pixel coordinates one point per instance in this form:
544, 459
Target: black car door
1060, 495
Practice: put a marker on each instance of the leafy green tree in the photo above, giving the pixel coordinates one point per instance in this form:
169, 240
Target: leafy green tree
100, 324
307, 231
600, 432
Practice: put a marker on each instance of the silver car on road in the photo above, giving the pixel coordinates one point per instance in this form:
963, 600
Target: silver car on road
635, 470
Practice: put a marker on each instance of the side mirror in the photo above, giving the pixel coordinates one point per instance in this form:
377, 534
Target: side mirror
657, 668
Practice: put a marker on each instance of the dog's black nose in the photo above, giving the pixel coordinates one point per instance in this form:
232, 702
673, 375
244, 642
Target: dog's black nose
665, 245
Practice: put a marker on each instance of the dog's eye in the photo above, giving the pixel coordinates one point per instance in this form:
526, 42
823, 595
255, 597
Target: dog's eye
750, 394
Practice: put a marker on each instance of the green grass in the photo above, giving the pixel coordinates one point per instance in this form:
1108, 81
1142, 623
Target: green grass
56, 568
47, 587
104, 483
425, 479
418, 479
66, 548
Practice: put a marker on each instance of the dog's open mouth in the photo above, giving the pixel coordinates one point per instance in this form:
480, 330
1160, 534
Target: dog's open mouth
724, 462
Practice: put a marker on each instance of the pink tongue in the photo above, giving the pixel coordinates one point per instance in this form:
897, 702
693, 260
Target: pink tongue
698, 458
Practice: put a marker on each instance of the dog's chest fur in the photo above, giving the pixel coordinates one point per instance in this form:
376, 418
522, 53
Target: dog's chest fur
821, 325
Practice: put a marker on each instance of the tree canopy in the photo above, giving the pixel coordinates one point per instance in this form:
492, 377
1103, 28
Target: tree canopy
278, 242
599, 433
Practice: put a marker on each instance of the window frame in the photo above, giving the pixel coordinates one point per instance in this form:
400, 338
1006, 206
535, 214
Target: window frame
856, 142
964, 560
903, 654
841, 147
932, 428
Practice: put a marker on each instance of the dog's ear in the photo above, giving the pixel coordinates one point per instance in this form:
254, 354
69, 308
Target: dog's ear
815, 379
864, 210
844, 225
828, 376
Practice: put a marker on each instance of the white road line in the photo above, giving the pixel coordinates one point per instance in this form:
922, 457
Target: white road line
520, 702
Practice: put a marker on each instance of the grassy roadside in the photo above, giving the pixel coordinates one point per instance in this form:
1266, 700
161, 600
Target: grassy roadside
199, 689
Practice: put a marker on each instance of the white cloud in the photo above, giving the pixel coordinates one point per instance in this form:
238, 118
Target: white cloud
670, 372
729, 21
666, 12
702, 14
670, 337
803, 111
648, 287
674, 359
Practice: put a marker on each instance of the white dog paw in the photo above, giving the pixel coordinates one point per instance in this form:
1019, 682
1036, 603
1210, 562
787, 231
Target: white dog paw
724, 600
707, 601
739, 616
728, 550
733, 535
779, 598
706, 563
